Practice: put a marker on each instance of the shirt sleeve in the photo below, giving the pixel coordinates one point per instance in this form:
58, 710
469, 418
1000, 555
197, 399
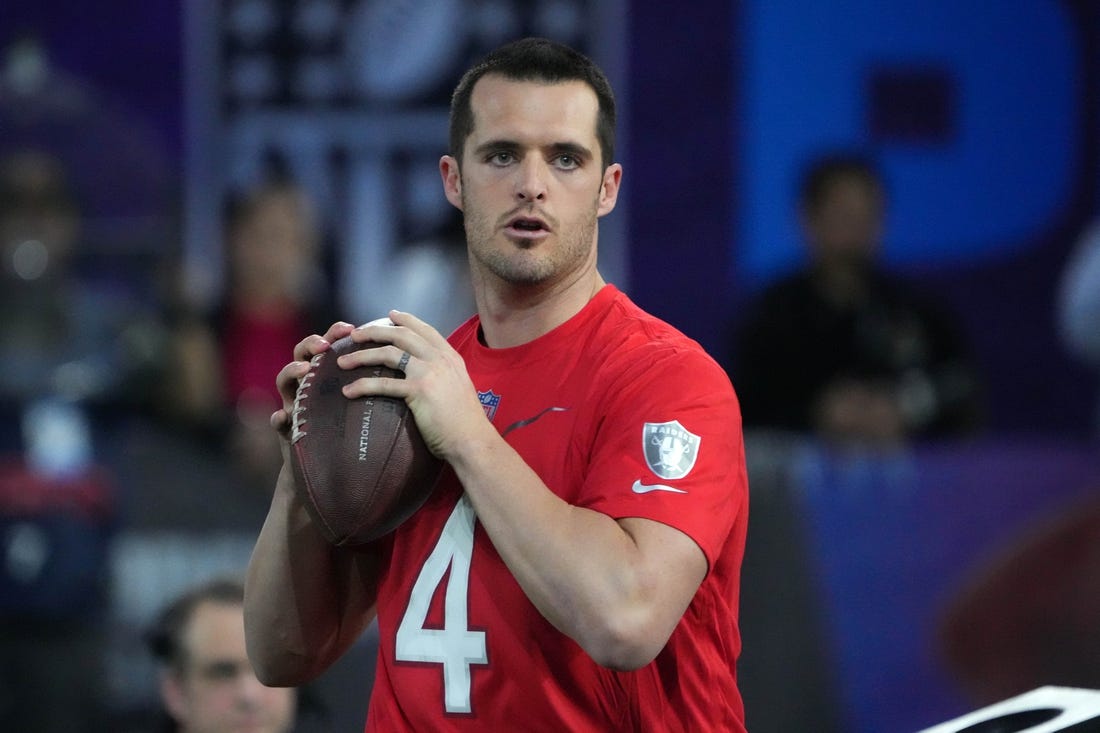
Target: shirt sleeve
668, 447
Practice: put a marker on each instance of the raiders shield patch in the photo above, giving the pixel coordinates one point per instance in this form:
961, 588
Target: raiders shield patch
670, 449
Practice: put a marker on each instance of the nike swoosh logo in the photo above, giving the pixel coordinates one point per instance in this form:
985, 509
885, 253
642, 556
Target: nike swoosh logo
640, 488
528, 421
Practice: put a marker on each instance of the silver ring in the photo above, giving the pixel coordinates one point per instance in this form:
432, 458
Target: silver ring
404, 361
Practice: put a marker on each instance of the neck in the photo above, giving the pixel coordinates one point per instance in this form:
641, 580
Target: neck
512, 315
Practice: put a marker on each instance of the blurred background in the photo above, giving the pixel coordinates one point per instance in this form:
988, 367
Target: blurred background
186, 188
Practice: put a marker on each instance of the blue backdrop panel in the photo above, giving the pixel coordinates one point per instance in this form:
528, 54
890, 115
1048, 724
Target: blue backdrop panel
847, 73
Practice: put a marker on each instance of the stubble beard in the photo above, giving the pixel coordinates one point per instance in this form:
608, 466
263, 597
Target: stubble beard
517, 264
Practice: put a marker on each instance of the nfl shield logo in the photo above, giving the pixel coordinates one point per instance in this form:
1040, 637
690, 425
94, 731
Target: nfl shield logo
489, 402
670, 449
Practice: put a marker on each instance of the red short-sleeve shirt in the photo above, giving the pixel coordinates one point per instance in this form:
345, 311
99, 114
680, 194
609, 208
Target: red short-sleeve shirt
618, 412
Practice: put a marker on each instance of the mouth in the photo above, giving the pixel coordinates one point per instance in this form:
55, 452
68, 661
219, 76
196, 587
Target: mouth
527, 226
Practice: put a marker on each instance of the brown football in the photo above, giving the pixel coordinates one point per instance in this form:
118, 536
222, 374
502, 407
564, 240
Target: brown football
361, 465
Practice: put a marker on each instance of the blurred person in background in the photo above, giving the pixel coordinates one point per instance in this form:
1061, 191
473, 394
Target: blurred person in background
842, 349
67, 329
207, 684
198, 476
78, 355
223, 360
1079, 305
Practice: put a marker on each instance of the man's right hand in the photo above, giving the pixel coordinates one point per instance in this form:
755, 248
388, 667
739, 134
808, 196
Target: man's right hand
290, 375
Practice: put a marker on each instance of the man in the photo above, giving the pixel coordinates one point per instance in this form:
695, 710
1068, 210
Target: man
207, 684
561, 577
843, 350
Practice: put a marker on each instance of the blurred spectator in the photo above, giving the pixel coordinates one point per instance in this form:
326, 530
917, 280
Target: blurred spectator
1079, 304
207, 684
843, 349
196, 480
78, 355
429, 276
225, 361
64, 330
426, 269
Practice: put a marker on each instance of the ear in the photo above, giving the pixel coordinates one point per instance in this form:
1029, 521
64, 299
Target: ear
452, 180
173, 695
609, 188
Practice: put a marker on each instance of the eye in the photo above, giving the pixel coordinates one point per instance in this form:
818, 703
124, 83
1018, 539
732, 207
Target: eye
221, 670
501, 158
567, 161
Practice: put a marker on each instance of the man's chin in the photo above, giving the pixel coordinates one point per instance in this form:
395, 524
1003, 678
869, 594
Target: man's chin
523, 268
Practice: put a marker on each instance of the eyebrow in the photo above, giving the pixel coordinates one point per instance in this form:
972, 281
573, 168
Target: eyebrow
577, 151
559, 148
221, 668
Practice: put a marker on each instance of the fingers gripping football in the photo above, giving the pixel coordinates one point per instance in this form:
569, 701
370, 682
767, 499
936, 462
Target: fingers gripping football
359, 462
290, 376
436, 385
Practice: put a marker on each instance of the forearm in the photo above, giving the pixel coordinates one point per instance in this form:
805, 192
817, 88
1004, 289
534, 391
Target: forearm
306, 601
617, 587
581, 568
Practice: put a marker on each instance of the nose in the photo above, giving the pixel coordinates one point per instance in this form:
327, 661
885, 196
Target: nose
531, 179
250, 691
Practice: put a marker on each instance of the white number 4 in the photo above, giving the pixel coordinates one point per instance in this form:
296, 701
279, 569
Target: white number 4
454, 646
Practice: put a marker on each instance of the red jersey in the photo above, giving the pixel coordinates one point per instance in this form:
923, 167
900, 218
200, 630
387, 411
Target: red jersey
617, 412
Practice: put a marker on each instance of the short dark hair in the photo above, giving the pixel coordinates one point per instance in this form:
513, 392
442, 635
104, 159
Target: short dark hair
821, 173
541, 60
165, 638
